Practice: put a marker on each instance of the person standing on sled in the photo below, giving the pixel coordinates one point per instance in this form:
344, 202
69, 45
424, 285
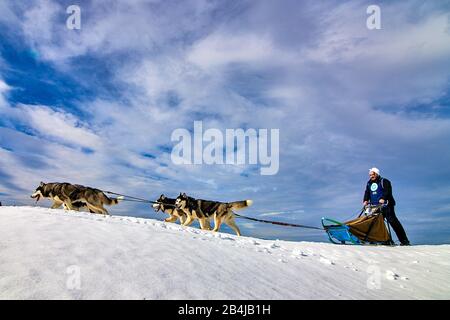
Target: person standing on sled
379, 191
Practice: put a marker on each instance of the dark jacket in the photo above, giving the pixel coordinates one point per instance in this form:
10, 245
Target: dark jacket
387, 190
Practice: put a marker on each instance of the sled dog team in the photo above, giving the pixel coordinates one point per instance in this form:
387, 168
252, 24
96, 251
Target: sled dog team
185, 208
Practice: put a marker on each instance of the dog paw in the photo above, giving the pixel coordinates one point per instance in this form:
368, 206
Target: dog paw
326, 261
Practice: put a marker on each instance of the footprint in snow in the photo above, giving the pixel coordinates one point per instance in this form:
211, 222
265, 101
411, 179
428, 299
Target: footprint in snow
273, 246
391, 275
253, 242
264, 250
326, 261
353, 268
223, 236
299, 253
191, 230
227, 238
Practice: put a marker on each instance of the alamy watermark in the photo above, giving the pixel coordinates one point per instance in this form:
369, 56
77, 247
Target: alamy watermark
373, 22
374, 279
234, 146
73, 281
74, 20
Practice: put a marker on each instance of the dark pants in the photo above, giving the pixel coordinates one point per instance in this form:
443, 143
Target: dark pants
389, 214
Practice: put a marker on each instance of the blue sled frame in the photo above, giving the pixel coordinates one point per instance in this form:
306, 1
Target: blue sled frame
338, 232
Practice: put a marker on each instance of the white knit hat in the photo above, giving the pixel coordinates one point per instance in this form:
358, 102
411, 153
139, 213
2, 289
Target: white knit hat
376, 170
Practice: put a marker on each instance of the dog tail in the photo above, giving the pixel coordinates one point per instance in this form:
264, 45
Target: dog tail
236, 205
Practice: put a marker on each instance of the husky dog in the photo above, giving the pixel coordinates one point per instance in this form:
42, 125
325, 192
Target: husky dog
74, 197
222, 212
167, 205
59, 193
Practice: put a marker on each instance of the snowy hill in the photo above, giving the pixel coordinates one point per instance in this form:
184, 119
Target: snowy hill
52, 254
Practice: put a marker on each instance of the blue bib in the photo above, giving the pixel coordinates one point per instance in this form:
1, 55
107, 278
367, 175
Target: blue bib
376, 191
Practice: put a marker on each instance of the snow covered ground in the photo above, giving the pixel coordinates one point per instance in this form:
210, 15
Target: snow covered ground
52, 254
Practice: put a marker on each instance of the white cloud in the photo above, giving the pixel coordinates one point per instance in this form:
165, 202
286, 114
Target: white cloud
3, 87
107, 28
61, 126
222, 48
345, 38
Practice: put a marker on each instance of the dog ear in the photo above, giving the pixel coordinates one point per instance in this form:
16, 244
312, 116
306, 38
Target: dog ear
184, 194
163, 196
41, 184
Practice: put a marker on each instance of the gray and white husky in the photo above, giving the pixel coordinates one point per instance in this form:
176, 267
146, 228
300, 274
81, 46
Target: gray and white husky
203, 210
74, 197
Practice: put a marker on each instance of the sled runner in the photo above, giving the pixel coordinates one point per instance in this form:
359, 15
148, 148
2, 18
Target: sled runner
369, 228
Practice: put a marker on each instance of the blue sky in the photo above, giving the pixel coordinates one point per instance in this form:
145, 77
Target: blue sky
97, 106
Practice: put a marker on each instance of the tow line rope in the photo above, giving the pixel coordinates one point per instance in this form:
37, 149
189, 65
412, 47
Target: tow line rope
135, 199
279, 223
130, 197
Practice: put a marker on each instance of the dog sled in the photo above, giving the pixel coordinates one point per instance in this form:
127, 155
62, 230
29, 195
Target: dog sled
368, 228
